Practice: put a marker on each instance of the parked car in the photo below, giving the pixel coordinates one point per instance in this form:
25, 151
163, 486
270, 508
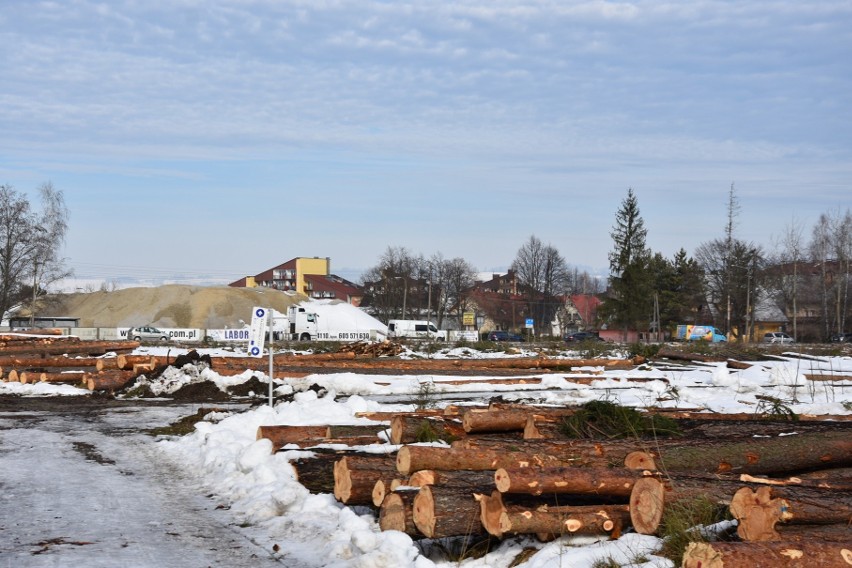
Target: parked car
504, 336
777, 337
841, 338
147, 333
579, 336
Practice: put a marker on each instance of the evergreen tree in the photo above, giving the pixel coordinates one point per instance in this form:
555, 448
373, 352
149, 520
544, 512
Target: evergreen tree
629, 304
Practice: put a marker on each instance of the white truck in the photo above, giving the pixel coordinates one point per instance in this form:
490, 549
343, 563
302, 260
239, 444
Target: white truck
415, 329
305, 325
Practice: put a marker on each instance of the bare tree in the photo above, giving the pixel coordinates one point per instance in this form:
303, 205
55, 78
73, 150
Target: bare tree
387, 283
452, 281
30, 242
831, 251
788, 260
406, 285
583, 282
544, 275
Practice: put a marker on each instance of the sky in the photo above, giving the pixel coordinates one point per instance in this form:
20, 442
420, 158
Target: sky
264, 502
234, 135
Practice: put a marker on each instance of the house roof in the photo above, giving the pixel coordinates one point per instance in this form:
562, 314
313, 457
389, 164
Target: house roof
340, 287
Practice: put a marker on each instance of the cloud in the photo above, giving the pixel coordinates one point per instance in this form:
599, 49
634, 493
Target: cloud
475, 102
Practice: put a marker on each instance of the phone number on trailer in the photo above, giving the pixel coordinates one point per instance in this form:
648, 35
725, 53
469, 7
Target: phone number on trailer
345, 335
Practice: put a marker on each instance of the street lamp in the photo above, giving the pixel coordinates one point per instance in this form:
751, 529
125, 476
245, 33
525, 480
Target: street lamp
404, 292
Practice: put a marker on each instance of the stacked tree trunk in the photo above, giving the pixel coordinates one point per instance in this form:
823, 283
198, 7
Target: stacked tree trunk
56, 358
491, 481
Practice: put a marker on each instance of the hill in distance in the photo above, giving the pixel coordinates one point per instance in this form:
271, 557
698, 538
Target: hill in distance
173, 305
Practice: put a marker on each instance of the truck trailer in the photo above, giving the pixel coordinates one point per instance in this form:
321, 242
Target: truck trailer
305, 325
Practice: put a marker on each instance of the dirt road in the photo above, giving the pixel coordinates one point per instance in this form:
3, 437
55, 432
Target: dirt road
81, 485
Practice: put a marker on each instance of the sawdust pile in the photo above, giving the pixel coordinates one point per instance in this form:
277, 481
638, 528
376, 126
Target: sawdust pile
173, 305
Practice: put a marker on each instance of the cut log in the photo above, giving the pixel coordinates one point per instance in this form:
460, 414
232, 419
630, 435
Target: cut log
70, 377
758, 511
827, 377
640, 460
382, 416
836, 482
585, 453
647, 501
508, 420
316, 473
536, 429
108, 380
384, 487
547, 523
613, 482
356, 431
142, 368
126, 362
92, 348
449, 478
828, 473
355, 477
748, 416
406, 429
841, 533
350, 442
397, 512
650, 496
281, 434
27, 377
807, 554
444, 512
58, 362
782, 454
413, 458
106, 363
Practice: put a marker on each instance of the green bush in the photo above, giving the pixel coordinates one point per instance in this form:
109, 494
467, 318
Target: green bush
604, 419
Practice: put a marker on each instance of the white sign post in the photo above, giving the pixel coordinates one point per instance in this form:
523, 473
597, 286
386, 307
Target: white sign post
256, 331
259, 318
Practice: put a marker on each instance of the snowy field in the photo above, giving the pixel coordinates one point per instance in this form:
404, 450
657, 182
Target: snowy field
277, 514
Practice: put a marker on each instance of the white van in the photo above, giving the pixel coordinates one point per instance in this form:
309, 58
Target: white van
415, 329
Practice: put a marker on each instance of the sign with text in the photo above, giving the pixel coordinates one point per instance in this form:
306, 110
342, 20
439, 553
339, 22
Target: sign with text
468, 318
257, 332
530, 323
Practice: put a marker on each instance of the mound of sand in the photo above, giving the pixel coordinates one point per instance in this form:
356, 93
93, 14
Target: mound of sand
174, 305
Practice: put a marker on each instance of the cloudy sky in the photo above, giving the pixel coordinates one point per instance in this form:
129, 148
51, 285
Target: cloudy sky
218, 138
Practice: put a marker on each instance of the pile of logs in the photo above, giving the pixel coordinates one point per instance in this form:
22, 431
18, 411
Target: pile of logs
385, 348
25, 358
51, 357
495, 480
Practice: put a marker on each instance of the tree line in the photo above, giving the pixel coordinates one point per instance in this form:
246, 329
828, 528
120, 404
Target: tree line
806, 276
729, 282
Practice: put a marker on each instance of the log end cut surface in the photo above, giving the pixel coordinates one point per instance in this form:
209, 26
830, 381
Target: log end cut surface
646, 505
392, 514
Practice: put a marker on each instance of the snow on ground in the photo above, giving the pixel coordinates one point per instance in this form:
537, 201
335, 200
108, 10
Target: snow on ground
304, 529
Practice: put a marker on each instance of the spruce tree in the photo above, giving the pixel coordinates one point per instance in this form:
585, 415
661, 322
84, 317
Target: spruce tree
630, 300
